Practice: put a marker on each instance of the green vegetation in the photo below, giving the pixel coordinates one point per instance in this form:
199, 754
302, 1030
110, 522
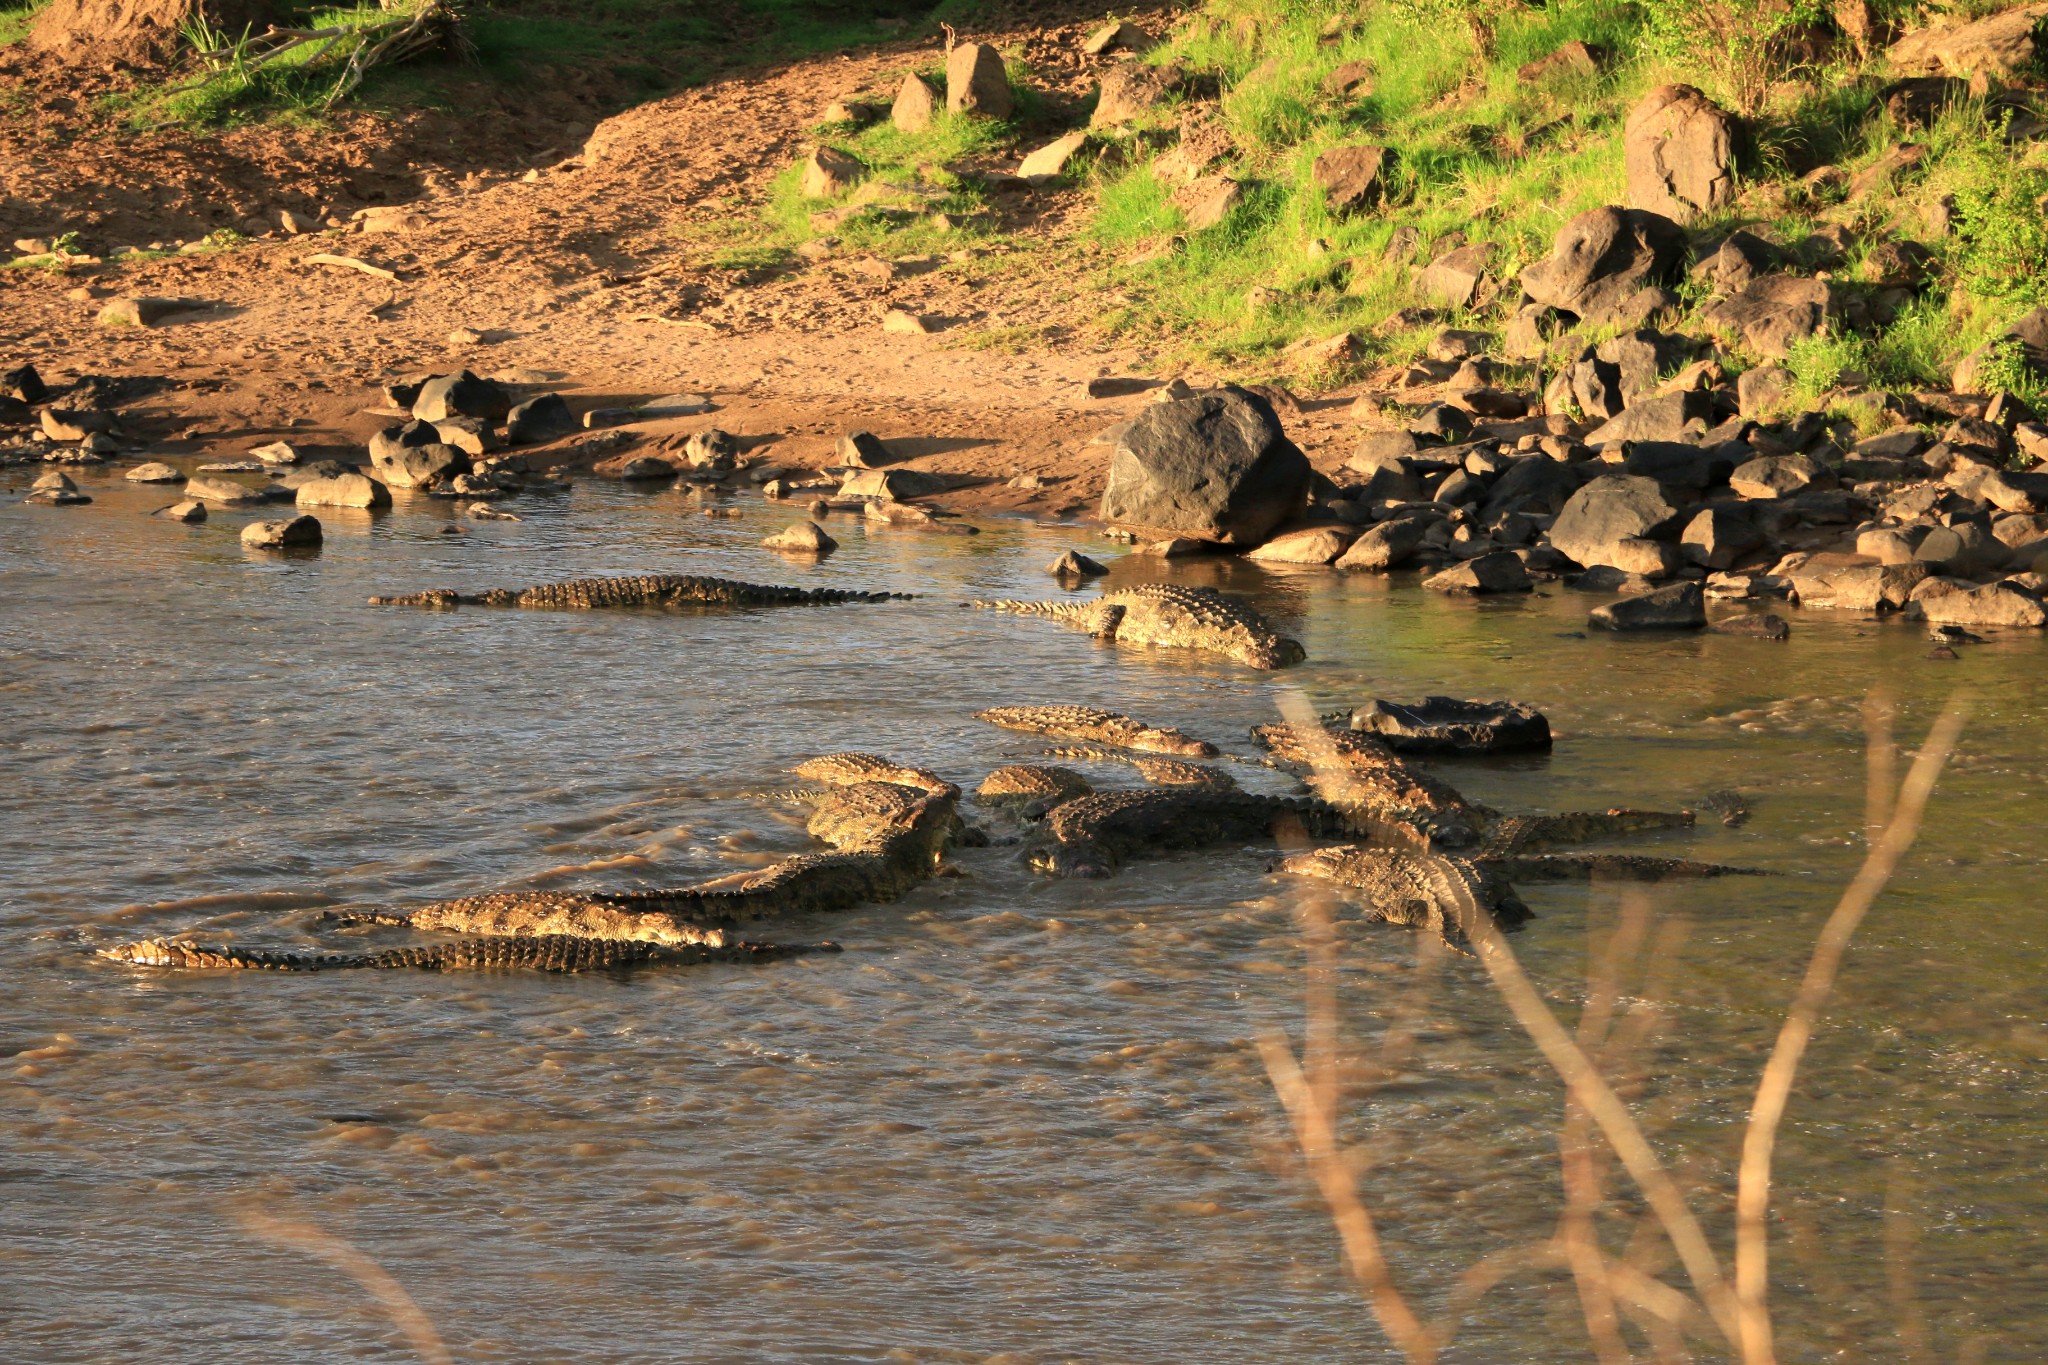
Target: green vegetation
15, 21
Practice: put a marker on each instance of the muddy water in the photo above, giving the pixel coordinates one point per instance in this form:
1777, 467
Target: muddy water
1016, 1120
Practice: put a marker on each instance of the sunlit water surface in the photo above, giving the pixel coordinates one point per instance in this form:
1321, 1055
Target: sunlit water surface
1018, 1119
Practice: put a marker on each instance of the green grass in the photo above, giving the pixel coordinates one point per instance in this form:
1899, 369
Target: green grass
16, 20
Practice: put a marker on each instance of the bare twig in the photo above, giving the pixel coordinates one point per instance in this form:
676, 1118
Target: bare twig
1774, 1090
400, 1307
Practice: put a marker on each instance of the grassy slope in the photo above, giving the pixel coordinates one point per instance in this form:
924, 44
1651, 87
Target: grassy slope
1485, 154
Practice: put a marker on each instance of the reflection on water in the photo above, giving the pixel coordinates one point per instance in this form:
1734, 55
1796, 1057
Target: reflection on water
1018, 1119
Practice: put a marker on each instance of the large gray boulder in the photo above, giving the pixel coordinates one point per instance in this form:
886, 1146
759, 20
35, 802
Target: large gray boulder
1678, 149
1602, 259
1667, 417
461, 395
1605, 522
1214, 467
1772, 312
1682, 606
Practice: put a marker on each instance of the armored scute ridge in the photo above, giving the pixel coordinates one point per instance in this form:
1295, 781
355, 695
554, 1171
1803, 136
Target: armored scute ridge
1167, 615
1096, 726
641, 590
546, 953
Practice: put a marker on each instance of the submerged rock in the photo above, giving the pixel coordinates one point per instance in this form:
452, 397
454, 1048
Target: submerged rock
1682, 606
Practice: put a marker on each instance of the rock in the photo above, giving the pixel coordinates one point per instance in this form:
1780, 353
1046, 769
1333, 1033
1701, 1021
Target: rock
1500, 571
1351, 80
917, 104
1116, 35
343, 490
1667, 417
136, 311
1772, 312
1741, 257
1309, 545
1448, 725
1353, 176
907, 516
976, 82
851, 112
1049, 162
63, 424
1074, 564
414, 456
472, 436
1387, 475
1966, 549
1720, 537
803, 538
54, 481
1207, 200
1216, 467
1681, 606
2001, 45
901, 322
1849, 583
894, 485
1779, 476
1678, 149
631, 468
187, 511
862, 450
223, 491
1532, 485
1130, 91
154, 472
1573, 58
1891, 544
1174, 547
1386, 546
1946, 602
675, 405
1600, 521
1763, 390
461, 395
1453, 279
829, 173
2030, 332
2009, 492
277, 453
1769, 626
711, 449
23, 384
1602, 259
311, 470
296, 533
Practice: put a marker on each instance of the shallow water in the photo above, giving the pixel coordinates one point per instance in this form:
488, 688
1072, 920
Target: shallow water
1017, 1119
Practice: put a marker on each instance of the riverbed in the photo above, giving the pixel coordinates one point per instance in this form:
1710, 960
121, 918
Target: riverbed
1017, 1119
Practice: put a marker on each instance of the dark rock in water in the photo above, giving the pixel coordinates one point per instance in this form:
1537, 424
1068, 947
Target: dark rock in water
1770, 626
1073, 564
863, 450
461, 395
1386, 546
1214, 467
414, 456
537, 420
1682, 606
1447, 725
296, 533
23, 384
1501, 571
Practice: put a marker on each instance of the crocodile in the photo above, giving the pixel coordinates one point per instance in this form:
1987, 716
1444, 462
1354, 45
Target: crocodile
1357, 770
845, 769
543, 953
1442, 891
1097, 726
1160, 772
1167, 615
637, 590
1031, 786
885, 838
1092, 836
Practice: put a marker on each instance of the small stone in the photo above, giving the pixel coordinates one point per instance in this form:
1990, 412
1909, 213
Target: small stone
296, 533
1116, 35
829, 173
711, 449
862, 450
1499, 571
1049, 162
187, 511
155, 472
917, 104
1074, 564
802, 537
977, 83
277, 453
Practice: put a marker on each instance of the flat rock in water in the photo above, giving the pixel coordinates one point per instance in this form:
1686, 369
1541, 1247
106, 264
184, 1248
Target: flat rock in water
186, 511
296, 533
911, 517
893, 485
1681, 606
1500, 571
1310, 545
1074, 564
1449, 725
343, 490
1946, 602
154, 472
1386, 546
224, 491
1769, 626
803, 538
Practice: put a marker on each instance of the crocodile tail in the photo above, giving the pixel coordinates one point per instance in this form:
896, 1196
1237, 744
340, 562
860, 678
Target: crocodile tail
1056, 610
441, 598
179, 953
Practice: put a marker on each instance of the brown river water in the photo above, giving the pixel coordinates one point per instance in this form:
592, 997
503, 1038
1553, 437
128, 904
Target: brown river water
1018, 1120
